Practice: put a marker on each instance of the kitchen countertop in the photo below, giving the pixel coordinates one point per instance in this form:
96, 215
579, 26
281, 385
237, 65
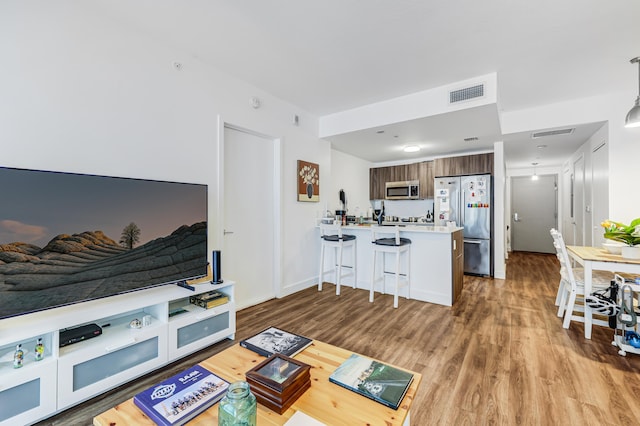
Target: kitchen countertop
408, 227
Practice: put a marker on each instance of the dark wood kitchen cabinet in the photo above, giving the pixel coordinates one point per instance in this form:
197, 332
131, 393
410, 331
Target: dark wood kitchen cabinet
425, 176
422, 172
377, 178
464, 165
457, 264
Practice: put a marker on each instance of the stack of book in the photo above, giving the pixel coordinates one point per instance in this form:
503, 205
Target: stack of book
279, 381
209, 300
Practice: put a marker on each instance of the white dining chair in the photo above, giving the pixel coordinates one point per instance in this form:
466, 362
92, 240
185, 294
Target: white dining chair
602, 278
572, 287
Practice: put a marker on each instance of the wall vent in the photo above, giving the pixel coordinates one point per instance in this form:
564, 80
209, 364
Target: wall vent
546, 133
466, 93
471, 139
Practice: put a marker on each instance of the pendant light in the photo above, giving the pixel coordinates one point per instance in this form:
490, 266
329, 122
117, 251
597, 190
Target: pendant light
633, 117
535, 176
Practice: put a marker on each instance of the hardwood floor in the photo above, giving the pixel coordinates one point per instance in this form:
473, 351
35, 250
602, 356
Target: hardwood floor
500, 356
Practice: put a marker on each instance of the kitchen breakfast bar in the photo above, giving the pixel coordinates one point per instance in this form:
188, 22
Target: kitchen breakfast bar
437, 262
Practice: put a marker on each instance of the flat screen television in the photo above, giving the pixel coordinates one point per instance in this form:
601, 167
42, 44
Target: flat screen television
67, 238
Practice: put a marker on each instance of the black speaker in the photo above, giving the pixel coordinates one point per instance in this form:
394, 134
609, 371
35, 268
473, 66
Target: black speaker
216, 267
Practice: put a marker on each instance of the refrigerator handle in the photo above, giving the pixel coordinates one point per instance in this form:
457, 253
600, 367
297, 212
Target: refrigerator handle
471, 241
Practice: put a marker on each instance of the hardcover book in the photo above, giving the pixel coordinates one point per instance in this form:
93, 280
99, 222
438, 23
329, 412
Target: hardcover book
207, 304
273, 340
373, 379
181, 397
209, 300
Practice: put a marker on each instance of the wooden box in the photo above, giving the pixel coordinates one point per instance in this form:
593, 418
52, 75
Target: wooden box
278, 381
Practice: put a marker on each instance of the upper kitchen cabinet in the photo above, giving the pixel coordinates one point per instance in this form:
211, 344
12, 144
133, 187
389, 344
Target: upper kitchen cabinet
425, 176
464, 165
377, 179
379, 176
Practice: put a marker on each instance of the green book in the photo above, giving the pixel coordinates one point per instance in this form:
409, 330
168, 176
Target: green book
373, 379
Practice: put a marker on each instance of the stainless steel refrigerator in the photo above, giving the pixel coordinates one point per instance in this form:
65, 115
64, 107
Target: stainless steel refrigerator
468, 201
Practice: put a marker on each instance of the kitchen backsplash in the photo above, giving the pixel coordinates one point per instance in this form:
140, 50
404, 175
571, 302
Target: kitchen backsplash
405, 208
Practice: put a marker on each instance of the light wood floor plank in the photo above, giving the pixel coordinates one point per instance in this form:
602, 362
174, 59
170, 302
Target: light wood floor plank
499, 357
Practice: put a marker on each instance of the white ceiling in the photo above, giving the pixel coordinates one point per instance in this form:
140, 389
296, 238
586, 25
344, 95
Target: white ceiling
331, 55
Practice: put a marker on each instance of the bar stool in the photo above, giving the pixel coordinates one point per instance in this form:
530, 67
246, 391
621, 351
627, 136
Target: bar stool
332, 237
394, 245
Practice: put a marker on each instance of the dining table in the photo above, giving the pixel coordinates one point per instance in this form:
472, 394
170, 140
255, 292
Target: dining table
599, 259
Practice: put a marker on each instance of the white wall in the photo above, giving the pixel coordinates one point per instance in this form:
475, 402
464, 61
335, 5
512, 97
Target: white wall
83, 94
350, 174
404, 108
596, 189
624, 144
500, 214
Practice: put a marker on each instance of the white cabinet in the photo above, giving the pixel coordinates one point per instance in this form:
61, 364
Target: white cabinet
25, 393
74, 373
195, 328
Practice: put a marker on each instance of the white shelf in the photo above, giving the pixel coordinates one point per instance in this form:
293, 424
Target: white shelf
85, 369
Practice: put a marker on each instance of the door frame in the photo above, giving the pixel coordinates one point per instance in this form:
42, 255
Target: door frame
218, 235
556, 199
511, 173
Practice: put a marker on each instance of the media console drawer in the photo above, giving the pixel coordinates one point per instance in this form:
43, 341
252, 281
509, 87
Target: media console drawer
200, 327
89, 375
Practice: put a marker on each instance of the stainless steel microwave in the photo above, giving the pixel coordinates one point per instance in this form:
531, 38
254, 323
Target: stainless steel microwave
405, 190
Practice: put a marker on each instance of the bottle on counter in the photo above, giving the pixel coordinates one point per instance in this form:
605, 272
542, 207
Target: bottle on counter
381, 215
18, 356
39, 350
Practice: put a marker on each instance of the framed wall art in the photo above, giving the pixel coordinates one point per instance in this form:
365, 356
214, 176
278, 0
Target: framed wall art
308, 181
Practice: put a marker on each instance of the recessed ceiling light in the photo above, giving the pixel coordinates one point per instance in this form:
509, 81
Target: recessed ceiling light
411, 148
542, 146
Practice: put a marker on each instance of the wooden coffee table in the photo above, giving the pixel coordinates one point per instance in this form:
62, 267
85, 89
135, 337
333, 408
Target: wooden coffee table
327, 402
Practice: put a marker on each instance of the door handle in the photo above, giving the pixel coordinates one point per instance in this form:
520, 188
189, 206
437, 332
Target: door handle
516, 218
227, 232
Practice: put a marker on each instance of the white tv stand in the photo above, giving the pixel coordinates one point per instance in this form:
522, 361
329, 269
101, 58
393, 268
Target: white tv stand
88, 368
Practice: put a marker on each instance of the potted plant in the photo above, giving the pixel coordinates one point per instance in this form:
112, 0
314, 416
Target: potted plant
627, 234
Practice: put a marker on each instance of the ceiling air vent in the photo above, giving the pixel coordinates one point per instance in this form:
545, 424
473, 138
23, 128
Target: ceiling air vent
466, 93
546, 133
471, 139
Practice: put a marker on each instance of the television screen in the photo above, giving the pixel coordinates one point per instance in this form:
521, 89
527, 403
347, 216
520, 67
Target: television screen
67, 238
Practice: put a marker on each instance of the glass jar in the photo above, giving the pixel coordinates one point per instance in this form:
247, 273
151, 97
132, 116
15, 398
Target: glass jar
238, 407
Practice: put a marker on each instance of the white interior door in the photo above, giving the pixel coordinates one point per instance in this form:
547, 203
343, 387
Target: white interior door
249, 226
534, 213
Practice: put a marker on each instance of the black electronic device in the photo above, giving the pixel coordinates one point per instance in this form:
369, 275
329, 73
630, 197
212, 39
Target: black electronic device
78, 334
217, 268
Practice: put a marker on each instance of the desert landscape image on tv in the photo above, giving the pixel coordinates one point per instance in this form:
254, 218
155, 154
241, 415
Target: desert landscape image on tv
66, 238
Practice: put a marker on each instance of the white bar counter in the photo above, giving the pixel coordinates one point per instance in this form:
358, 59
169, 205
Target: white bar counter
436, 262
